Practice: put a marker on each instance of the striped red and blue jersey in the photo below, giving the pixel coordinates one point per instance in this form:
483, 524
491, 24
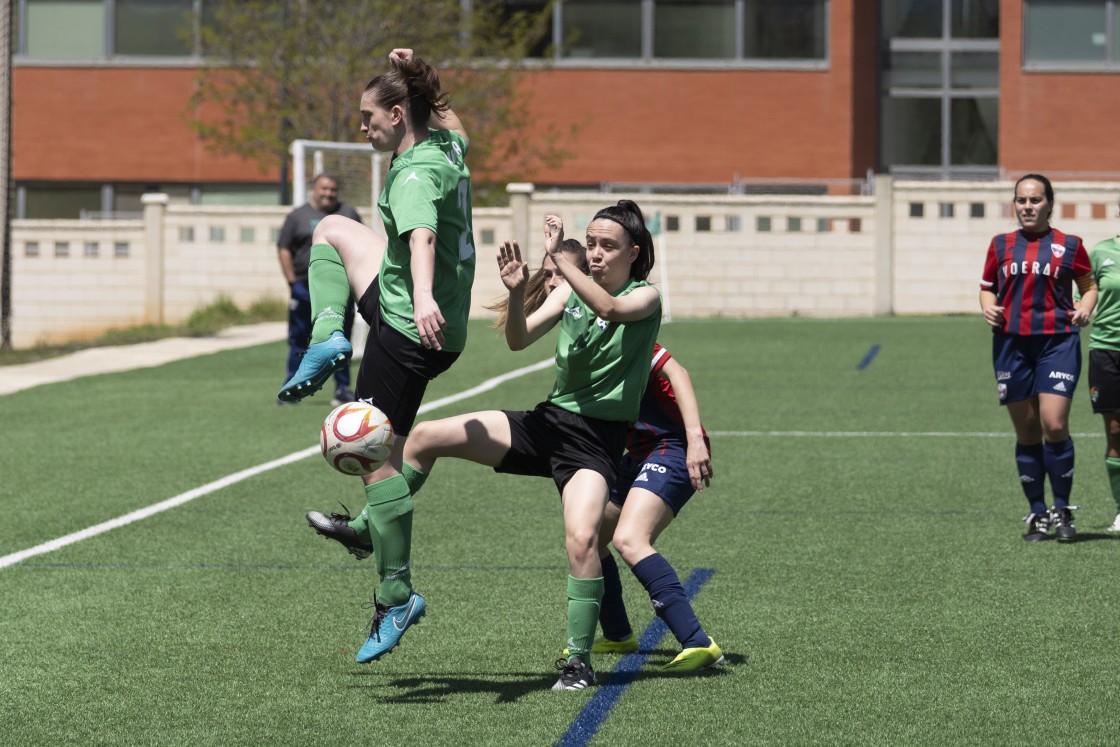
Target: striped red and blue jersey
660, 423
1032, 276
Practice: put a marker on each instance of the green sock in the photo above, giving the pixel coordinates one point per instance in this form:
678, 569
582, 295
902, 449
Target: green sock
414, 477
330, 291
584, 598
389, 512
360, 524
1112, 464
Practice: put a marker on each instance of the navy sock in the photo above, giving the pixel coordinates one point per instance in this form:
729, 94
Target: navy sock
1032, 475
612, 610
670, 602
1058, 458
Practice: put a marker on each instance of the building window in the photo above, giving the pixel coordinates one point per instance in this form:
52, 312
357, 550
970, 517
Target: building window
672, 223
785, 29
91, 248
601, 29
793, 225
488, 236
186, 234
154, 28
62, 248
762, 224
99, 29
31, 249
248, 234
63, 28
1061, 33
734, 223
940, 98
120, 249
976, 210
217, 233
687, 28
703, 223
763, 30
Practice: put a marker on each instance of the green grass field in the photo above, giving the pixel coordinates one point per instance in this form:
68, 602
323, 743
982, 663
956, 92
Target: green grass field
870, 581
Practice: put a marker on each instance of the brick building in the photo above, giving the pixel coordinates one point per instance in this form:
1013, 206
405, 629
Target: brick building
732, 94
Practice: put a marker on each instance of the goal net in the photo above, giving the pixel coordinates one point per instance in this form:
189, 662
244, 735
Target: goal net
360, 171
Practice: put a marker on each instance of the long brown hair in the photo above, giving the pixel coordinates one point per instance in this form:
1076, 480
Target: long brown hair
535, 290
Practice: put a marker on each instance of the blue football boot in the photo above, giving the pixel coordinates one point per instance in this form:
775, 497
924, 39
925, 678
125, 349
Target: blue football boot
389, 624
318, 365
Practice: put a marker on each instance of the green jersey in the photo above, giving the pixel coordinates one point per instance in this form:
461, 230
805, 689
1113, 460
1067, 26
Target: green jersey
602, 367
428, 186
1105, 258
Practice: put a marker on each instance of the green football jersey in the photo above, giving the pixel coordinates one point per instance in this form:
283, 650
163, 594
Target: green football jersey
1105, 258
428, 186
602, 367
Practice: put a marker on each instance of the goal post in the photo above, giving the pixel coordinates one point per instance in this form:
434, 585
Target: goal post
358, 167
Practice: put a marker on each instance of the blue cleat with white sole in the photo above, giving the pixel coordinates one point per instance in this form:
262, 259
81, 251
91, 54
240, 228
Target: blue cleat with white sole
318, 365
389, 624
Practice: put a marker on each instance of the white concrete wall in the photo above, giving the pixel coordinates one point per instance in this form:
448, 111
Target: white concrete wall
757, 256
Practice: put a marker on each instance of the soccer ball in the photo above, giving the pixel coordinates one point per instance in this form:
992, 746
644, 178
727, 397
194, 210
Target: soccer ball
356, 438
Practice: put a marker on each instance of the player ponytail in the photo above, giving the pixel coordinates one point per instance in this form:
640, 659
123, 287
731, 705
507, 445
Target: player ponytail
414, 86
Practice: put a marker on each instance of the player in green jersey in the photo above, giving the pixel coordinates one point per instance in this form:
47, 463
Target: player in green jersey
1104, 357
608, 322
416, 303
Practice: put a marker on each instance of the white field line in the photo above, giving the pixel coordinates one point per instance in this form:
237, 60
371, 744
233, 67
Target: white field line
190, 495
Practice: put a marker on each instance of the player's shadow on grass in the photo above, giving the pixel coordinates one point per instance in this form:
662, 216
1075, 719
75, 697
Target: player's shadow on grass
1090, 536
439, 688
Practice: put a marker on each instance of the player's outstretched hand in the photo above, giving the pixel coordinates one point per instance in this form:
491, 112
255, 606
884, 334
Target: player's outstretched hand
553, 234
514, 271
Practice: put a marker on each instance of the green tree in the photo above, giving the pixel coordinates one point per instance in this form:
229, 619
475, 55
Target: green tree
279, 70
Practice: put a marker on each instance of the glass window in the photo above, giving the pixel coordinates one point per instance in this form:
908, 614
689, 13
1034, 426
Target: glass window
785, 29
65, 28
973, 131
61, 202
974, 70
91, 248
1065, 30
598, 29
914, 69
120, 249
501, 14
248, 235
915, 19
975, 19
234, 194
685, 28
161, 28
911, 131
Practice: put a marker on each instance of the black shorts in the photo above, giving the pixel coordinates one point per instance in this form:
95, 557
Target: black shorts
395, 371
550, 441
1104, 380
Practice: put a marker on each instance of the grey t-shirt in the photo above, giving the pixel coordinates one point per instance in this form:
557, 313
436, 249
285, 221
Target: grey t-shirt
298, 229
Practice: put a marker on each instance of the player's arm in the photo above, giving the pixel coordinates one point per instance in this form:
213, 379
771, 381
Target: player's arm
1084, 312
698, 458
286, 266
989, 302
522, 331
636, 305
422, 265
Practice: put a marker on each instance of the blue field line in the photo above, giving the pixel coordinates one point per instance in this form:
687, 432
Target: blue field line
869, 357
588, 721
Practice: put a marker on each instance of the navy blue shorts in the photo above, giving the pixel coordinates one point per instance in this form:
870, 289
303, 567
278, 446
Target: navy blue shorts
1027, 365
664, 473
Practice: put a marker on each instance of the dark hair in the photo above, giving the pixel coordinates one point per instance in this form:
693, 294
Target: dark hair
627, 214
1047, 188
324, 175
412, 84
535, 290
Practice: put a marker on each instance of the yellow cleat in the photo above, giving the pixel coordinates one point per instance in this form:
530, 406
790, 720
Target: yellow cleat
607, 646
695, 659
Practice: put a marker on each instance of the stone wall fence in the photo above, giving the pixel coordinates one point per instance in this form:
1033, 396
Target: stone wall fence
910, 247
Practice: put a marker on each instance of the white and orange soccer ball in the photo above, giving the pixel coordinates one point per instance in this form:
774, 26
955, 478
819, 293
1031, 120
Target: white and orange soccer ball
356, 438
